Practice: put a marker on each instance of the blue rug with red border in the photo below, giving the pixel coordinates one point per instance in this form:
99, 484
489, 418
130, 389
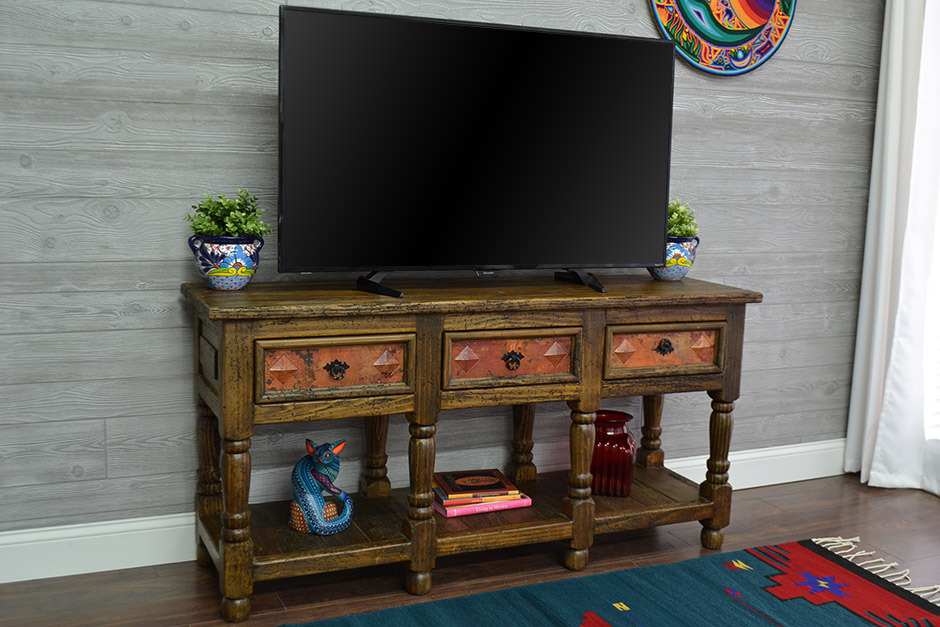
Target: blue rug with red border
796, 584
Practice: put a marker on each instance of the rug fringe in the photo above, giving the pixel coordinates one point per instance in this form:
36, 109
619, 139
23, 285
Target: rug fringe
844, 547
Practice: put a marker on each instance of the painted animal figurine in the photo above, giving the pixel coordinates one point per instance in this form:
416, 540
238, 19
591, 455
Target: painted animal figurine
313, 475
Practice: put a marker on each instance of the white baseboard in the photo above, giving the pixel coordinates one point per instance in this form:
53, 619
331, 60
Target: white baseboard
773, 465
94, 547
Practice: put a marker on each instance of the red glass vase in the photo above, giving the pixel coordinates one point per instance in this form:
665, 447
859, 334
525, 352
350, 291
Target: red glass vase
614, 451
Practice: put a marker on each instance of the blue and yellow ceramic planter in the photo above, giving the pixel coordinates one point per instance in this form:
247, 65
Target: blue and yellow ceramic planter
680, 253
224, 262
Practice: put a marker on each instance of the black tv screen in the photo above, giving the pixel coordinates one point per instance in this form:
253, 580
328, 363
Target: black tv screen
411, 143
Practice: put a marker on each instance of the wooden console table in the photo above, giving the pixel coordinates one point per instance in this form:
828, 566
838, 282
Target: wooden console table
260, 357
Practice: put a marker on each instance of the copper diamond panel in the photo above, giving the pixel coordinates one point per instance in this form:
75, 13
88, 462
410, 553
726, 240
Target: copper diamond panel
466, 359
624, 351
294, 368
644, 349
704, 346
387, 363
556, 353
485, 357
283, 369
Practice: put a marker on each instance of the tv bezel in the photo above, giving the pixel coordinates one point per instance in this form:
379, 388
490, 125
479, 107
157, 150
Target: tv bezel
480, 269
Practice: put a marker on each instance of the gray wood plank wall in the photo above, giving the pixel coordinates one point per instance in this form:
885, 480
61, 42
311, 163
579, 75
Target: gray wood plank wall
116, 116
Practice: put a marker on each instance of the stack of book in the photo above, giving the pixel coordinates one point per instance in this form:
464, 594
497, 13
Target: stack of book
475, 492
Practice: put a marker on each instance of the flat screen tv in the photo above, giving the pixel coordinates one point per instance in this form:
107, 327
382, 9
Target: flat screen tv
410, 143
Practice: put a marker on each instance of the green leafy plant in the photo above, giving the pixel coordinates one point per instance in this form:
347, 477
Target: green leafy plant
681, 221
236, 217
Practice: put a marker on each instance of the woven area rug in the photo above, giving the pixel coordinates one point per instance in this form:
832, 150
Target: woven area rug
826, 581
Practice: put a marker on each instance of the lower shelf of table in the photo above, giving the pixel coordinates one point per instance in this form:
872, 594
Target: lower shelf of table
658, 496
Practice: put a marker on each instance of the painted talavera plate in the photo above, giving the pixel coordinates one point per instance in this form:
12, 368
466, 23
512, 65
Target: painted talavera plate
725, 37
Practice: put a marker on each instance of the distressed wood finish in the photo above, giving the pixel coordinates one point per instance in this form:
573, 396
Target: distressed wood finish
375, 482
242, 336
209, 483
183, 593
521, 467
637, 350
117, 116
486, 359
336, 366
419, 526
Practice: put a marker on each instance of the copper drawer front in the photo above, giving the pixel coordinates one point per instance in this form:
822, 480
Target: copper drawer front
515, 357
334, 367
653, 350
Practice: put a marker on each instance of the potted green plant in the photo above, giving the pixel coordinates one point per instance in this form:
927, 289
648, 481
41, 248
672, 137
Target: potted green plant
681, 242
227, 238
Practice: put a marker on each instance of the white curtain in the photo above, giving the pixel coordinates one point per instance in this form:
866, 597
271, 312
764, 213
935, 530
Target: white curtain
893, 434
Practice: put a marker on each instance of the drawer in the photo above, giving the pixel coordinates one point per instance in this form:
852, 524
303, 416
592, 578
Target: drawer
334, 367
475, 359
663, 350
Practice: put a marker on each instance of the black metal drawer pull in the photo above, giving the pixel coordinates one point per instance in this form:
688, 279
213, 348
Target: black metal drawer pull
337, 369
513, 359
665, 347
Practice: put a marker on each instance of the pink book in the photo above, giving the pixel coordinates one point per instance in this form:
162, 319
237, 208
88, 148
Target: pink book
480, 508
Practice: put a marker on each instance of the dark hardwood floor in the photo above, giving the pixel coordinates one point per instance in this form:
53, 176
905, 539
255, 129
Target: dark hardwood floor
900, 525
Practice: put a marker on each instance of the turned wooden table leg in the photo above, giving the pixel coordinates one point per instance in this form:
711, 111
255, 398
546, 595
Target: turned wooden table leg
208, 484
420, 524
716, 487
579, 505
650, 454
521, 467
374, 482
236, 548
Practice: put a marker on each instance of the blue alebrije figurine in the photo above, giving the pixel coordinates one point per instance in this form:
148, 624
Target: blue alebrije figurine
313, 475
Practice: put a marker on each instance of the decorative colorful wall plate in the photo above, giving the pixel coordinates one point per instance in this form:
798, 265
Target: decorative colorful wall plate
724, 36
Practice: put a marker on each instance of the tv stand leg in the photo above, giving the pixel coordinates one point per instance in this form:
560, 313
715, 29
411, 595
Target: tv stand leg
578, 275
236, 552
420, 526
716, 488
374, 482
578, 505
209, 485
372, 283
521, 467
650, 454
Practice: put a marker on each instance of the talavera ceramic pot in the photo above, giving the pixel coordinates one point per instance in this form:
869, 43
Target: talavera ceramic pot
680, 253
224, 262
